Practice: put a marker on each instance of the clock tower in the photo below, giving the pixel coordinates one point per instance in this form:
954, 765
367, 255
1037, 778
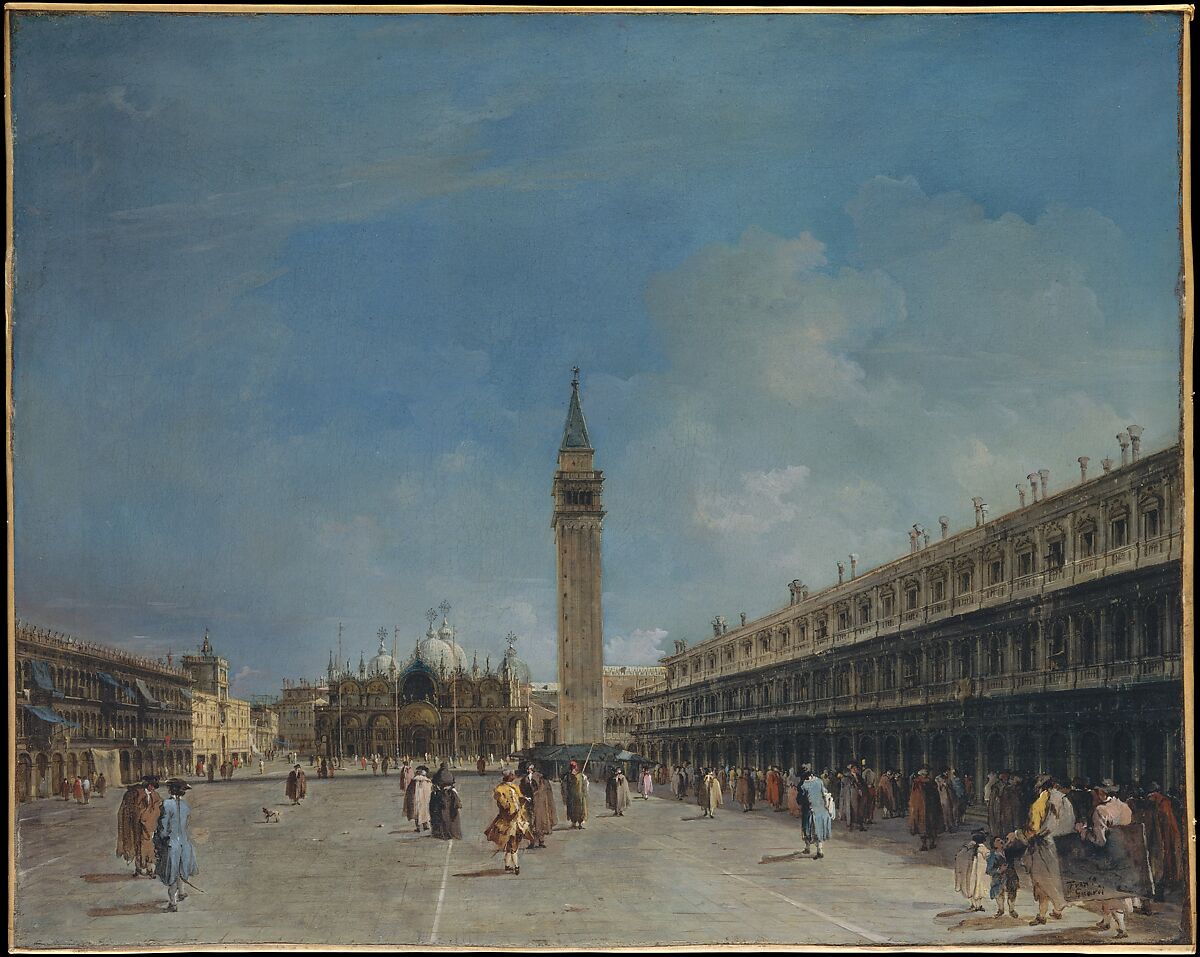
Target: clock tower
577, 521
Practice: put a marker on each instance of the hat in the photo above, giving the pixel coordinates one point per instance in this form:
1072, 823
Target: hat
178, 785
150, 780
574, 765
530, 767
421, 767
297, 766
979, 837
1108, 787
1152, 787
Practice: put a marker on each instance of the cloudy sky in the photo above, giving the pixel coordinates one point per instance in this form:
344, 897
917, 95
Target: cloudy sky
297, 299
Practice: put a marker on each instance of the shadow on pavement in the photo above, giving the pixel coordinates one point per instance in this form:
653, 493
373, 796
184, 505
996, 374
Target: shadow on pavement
125, 910
108, 878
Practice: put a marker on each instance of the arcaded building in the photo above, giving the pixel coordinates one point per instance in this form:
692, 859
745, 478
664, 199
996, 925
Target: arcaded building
82, 708
1049, 638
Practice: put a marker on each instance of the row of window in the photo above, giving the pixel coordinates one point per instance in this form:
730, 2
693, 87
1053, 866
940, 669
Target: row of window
575, 497
999, 654
78, 683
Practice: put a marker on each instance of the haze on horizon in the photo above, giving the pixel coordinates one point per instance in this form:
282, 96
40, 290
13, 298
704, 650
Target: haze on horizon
297, 300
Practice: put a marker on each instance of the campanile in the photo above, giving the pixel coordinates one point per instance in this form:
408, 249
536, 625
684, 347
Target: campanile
578, 517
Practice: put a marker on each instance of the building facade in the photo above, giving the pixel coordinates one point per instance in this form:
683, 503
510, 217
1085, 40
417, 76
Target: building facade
1048, 639
620, 705
264, 728
433, 703
220, 723
298, 704
83, 708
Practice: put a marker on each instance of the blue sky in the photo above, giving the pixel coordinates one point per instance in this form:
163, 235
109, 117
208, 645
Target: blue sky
297, 299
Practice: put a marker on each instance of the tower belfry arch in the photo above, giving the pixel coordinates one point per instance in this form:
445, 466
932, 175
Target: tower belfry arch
577, 522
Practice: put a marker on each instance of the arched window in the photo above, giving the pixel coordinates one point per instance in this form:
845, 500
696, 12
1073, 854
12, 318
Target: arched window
1089, 650
1118, 529
939, 663
1151, 630
1151, 518
1026, 651
995, 653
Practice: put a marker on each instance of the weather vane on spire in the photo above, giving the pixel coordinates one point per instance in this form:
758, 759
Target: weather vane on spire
381, 634
444, 608
574, 375
512, 643
431, 616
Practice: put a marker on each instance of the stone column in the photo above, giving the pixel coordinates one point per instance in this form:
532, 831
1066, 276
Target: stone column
925, 749
980, 766
1168, 780
1039, 744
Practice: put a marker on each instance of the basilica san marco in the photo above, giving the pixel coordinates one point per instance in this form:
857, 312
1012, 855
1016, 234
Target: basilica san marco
435, 702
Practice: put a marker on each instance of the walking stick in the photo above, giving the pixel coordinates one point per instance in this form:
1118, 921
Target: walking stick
588, 758
192, 886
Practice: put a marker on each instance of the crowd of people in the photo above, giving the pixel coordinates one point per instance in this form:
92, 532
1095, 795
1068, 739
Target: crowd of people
80, 787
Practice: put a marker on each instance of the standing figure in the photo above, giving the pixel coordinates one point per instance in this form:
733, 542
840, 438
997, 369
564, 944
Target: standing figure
574, 795
616, 792
774, 788
924, 810
77, 789
296, 788
817, 820
481, 766
1005, 879
946, 800
1041, 854
539, 805
406, 776
885, 791
445, 806
646, 785
176, 856
710, 793
792, 787
1166, 845
510, 823
101, 784
384, 765
970, 871
1109, 813
260, 765
745, 793
375, 765
211, 772
416, 799
681, 782
128, 828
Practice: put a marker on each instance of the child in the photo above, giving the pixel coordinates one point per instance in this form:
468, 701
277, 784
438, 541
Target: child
1005, 879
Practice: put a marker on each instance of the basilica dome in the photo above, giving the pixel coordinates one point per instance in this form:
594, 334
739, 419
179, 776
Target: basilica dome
440, 651
382, 663
517, 667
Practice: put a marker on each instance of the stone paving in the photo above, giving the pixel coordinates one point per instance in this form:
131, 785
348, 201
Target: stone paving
346, 868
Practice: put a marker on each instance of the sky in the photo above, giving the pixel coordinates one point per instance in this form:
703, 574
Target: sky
297, 298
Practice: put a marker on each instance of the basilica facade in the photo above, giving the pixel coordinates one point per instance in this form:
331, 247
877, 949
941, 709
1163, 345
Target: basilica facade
433, 703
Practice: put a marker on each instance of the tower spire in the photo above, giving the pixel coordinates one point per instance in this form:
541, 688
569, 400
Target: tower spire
575, 433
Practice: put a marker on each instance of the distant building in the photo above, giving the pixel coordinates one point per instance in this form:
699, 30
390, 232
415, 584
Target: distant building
298, 704
619, 684
432, 703
220, 724
1047, 639
264, 728
83, 708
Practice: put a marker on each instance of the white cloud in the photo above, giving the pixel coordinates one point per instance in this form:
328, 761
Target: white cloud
642, 646
762, 502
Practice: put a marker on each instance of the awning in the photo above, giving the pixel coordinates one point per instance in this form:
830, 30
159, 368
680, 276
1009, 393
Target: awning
146, 695
186, 694
109, 679
43, 678
49, 715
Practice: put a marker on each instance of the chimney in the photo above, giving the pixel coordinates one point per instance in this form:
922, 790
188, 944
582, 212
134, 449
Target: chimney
841, 572
1044, 478
1106, 463
1032, 478
1083, 464
944, 521
853, 565
1123, 441
977, 502
1135, 437
1021, 492
913, 535
983, 512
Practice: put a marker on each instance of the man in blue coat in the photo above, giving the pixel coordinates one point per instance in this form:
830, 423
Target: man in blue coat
176, 857
814, 804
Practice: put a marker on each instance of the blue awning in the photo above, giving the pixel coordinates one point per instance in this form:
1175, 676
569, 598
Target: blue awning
43, 678
49, 715
146, 695
187, 694
109, 680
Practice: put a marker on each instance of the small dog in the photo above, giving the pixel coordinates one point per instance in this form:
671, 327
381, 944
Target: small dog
271, 816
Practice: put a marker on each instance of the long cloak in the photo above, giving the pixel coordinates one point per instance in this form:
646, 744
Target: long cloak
1165, 840
970, 871
128, 826
545, 814
616, 792
574, 795
297, 786
818, 825
176, 856
924, 809
445, 807
774, 789
416, 800
744, 794
647, 784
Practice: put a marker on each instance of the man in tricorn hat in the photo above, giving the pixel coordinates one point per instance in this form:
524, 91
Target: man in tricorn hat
176, 856
445, 806
510, 823
297, 787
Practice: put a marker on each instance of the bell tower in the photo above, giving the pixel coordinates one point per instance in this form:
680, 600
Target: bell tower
577, 521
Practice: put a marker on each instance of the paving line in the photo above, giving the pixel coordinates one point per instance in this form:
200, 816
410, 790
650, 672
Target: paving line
845, 925
25, 870
437, 914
